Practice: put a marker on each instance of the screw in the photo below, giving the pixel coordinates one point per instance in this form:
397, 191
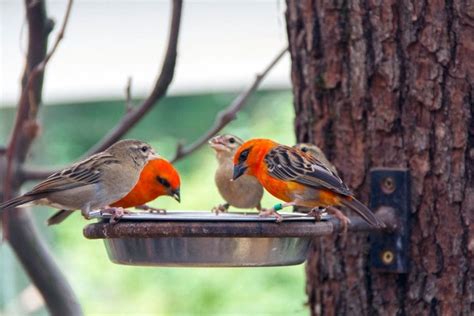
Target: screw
388, 185
387, 257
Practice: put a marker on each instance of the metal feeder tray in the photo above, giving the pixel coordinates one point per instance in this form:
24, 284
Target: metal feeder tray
203, 239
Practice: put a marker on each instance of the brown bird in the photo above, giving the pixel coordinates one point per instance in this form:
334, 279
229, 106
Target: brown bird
317, 153
246, 192
93, 183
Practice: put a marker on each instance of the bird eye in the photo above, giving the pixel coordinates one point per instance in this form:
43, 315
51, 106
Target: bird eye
304, 149
144, 149
232, 140
243, 155
163, 182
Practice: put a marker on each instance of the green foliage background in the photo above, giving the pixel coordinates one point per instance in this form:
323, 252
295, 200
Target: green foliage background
105, 288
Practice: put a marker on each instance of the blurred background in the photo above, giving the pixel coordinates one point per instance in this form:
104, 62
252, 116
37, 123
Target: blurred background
223, 44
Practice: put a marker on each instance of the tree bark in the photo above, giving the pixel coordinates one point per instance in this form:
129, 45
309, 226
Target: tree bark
391, 84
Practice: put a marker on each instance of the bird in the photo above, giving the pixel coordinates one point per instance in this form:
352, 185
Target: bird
158, 178
316, 152
93, 183
246, 192
298, 179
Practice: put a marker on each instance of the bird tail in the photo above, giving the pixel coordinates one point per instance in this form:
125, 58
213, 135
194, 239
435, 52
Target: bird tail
58, 217
363, 211
16, 202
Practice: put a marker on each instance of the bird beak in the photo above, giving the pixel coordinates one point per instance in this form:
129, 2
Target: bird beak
153, 155
176, 195
239, 170
217, 144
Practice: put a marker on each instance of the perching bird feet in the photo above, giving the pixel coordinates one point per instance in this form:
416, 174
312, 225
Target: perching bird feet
221, 208
317, 213
265, 212
151, 210
116, 212
345, 221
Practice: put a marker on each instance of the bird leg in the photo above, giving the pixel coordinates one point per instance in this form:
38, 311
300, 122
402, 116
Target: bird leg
85, 212
264, 212
151, 209
221, 208
317, 213
116, 212
345, 221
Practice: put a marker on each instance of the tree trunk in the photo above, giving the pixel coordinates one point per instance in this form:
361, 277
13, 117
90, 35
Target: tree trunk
391, 84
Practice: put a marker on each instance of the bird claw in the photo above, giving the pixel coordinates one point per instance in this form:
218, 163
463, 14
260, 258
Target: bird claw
317, 213
151, 210
221, 208
116, 212
345, 221
265, 212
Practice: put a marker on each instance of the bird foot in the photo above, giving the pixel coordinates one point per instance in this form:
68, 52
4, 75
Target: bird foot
317, 213
116, 212
221, 208
151, 210
265, 212
345, 221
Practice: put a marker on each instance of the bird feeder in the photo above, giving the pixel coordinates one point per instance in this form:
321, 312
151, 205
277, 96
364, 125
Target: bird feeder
203, 239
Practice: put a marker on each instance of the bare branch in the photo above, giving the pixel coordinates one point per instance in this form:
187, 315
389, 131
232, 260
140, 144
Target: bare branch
159, 90
36, 259
135, 114
31, 95
229, 114
128, 96
35, 173
22, 235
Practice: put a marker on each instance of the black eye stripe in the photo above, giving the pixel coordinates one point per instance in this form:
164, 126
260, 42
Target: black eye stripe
243, 155
164, 182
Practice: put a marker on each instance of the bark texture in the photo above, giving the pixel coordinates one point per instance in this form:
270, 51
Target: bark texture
391, 84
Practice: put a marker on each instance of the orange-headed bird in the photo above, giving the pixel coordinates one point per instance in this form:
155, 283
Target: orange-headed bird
158, 178
297, 178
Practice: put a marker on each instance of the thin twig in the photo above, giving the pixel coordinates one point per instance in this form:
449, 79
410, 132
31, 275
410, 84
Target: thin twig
161, 86
132, 117
228, 114
128, 95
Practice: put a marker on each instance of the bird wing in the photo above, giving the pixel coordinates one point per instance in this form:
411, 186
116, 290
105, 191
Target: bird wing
83, 173
290, 164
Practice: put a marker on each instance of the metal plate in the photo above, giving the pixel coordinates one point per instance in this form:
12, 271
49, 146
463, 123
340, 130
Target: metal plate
208, 251
205, 251
390, 192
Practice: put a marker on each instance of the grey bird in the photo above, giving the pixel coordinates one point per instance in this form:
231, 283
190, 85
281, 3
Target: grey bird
91, 184
316, 152
246, 192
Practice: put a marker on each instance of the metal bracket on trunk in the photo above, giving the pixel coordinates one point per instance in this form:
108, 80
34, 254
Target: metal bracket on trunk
390, 199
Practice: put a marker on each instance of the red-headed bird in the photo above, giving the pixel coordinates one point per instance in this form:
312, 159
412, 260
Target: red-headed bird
297, 178
158, 178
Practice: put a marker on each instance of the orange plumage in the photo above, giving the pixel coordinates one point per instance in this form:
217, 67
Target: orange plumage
158, 178
297, 178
